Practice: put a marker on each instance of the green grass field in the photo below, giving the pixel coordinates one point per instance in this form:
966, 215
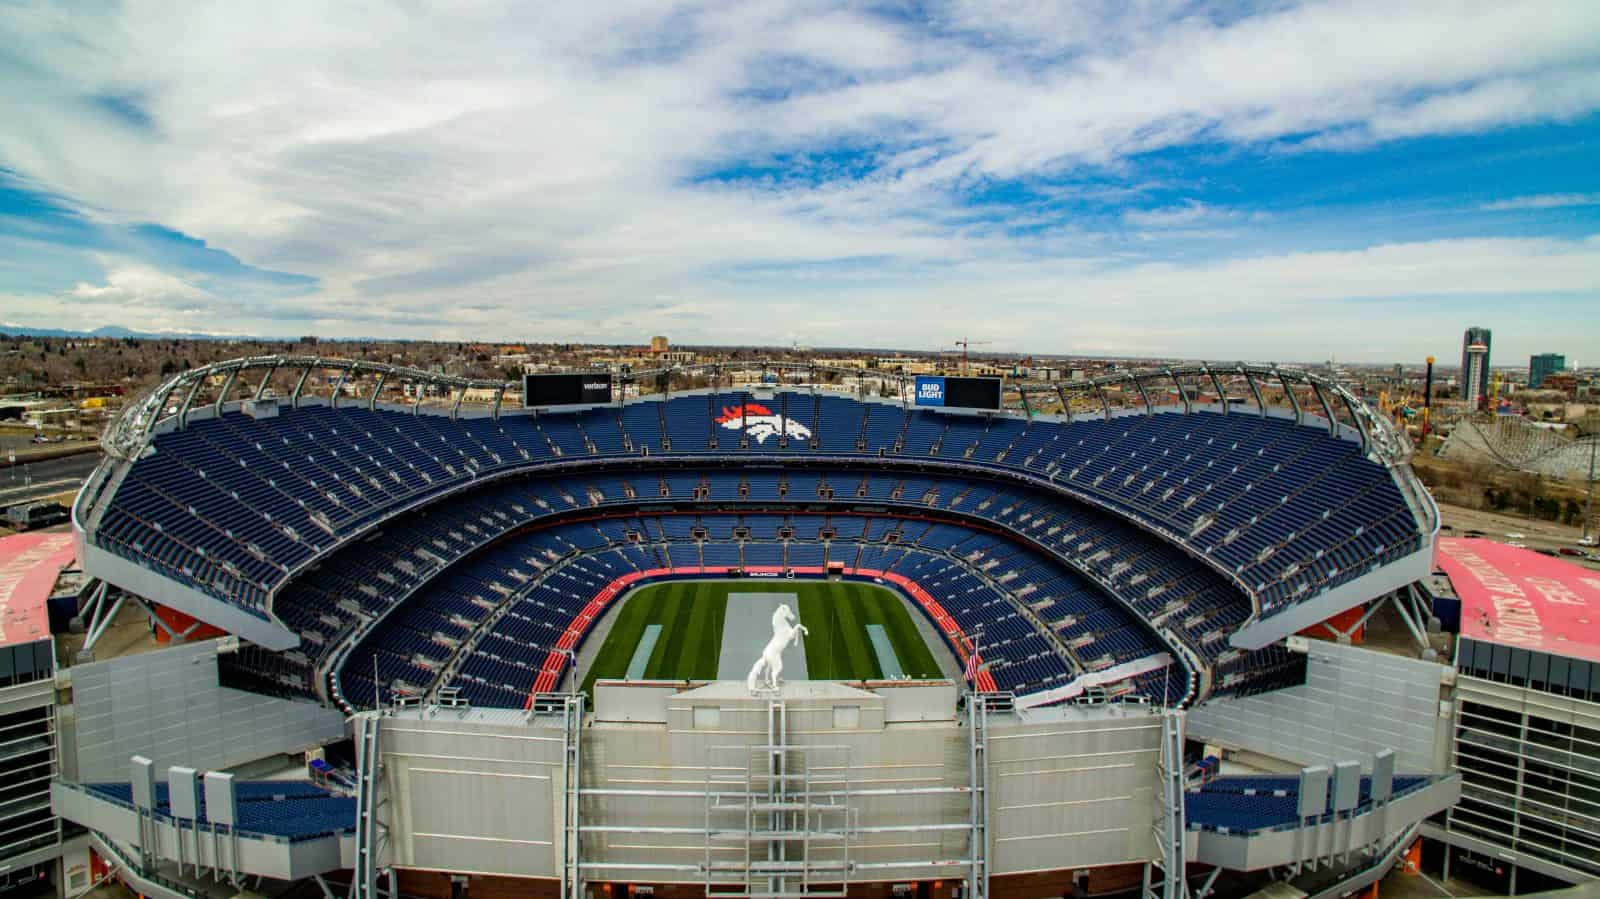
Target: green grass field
691, 615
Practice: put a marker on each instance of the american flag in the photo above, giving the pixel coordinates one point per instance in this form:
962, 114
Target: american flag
972, 665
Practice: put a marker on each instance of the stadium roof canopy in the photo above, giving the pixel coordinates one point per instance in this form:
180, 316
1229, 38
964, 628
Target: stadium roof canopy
1242, 388
29, 565
1517, 597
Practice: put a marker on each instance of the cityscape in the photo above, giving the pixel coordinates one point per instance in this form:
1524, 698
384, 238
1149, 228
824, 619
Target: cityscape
800, 450
1490, 437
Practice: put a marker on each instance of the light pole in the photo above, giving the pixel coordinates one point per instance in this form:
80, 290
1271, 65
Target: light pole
974, 659
572, 670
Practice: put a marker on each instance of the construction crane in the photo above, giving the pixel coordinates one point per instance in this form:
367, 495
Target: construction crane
964, 344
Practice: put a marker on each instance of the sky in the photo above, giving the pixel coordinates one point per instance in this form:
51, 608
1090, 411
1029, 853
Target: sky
1267, 180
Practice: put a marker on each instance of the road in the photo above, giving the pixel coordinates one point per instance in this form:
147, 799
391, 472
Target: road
33, 480
1496, 526
21, 442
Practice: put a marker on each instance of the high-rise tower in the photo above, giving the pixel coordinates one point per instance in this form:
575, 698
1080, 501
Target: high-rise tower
1479, 336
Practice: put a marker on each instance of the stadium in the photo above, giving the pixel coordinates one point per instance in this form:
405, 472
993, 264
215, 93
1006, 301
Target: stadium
1052, 635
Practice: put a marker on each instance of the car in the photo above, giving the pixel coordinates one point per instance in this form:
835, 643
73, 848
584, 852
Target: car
1569, 551
1587, 541
1476, 534
1515, 535
1517, 543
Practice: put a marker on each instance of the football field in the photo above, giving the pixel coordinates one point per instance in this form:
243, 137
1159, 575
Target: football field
675, 631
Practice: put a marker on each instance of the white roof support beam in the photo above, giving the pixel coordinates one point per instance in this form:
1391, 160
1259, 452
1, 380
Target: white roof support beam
1255, 390
1359, 420
299, 387
1327, 408
1288, 392
1183, 395
1216, 383
227, 385
188, 400
1149, 408
372, 398
266, 379
338, 387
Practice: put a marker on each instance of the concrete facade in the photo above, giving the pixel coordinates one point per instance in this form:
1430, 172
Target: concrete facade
1354, 703
169, 706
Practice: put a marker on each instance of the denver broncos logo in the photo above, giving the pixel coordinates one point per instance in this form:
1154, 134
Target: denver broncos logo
760, 422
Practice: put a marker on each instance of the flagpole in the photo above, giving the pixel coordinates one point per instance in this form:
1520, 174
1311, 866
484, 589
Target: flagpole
972, 670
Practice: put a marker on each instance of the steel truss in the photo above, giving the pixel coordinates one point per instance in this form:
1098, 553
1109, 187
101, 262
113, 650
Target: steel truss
128, 434
571, 709
1413, 610
1170, 828
371, 837
795, 837
791, 821
978, 776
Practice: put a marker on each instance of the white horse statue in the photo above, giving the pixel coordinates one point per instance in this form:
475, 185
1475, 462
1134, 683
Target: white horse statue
768, 669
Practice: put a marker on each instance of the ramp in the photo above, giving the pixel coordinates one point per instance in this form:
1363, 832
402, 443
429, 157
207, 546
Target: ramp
746, 630
642, 652
888, 662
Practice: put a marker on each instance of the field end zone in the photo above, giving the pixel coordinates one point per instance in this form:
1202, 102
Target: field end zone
858, 631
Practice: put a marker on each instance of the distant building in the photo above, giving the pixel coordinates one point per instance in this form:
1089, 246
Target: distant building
1543, 366
1566, 382
1475, 336
910, 365
1475, 375
658, 344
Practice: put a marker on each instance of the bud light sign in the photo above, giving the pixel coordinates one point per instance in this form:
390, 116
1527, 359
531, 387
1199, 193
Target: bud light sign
977, 394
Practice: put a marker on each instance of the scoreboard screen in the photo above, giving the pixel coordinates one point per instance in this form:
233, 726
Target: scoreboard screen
959, 393
566, 390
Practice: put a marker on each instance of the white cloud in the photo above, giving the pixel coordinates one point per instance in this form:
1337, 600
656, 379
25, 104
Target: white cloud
1390, 301
133, 295
131, 284
1184, 215
1542, 201
528, 169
